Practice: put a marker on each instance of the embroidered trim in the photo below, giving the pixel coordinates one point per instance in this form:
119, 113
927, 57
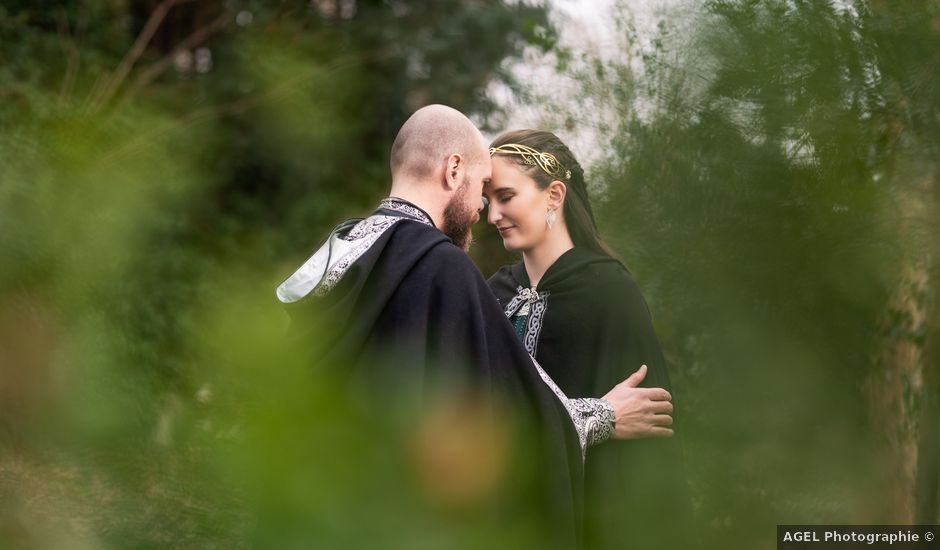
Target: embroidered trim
534, 326
599, 418
369, 226
513, 304
368, 231
404, 207
593, 419
536, 303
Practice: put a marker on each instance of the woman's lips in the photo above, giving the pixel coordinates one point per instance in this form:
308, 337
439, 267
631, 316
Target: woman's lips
503, 230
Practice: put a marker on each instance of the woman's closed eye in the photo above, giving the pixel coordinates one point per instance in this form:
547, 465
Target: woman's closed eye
503, 199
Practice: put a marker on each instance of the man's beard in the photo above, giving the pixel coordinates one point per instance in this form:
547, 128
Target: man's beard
459, 218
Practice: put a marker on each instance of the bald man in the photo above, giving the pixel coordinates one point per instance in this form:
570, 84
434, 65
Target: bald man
405, 303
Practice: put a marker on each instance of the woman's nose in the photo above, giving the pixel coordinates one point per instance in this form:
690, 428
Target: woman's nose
492, 213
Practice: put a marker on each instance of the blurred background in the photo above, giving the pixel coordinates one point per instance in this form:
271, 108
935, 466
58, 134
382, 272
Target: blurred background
768, 171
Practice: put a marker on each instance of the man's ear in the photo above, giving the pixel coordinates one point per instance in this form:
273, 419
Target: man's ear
557, 191
453, 171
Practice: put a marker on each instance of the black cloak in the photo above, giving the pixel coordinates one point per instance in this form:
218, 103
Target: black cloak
412, 308
590, 328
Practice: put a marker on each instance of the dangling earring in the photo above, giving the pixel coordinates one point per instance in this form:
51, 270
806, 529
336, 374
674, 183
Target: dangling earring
550, 217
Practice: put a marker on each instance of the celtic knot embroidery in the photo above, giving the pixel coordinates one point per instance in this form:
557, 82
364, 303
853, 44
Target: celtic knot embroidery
593, 419
399, 205
531, 303
367, 231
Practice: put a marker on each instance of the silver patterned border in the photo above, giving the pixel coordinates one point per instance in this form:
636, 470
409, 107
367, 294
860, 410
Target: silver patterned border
534, 323
593, 419
368, 231
404, 207
514, 304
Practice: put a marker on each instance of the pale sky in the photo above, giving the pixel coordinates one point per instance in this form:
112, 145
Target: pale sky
584, 26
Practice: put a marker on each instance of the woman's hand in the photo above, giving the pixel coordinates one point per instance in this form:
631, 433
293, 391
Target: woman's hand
640, 412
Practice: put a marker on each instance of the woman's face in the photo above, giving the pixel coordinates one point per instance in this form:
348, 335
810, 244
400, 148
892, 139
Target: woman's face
517, 206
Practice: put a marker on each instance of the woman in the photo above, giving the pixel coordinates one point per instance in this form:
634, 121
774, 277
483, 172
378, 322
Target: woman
581, 315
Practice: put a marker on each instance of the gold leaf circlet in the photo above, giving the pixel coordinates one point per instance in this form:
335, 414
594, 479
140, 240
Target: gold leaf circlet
546, 161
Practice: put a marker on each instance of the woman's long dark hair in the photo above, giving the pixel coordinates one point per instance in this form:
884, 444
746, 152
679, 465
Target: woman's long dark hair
577, 210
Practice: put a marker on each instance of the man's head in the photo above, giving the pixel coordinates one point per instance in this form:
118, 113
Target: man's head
440, 162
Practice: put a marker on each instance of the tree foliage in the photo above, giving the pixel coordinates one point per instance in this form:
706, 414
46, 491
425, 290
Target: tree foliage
771, 189
164, 165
